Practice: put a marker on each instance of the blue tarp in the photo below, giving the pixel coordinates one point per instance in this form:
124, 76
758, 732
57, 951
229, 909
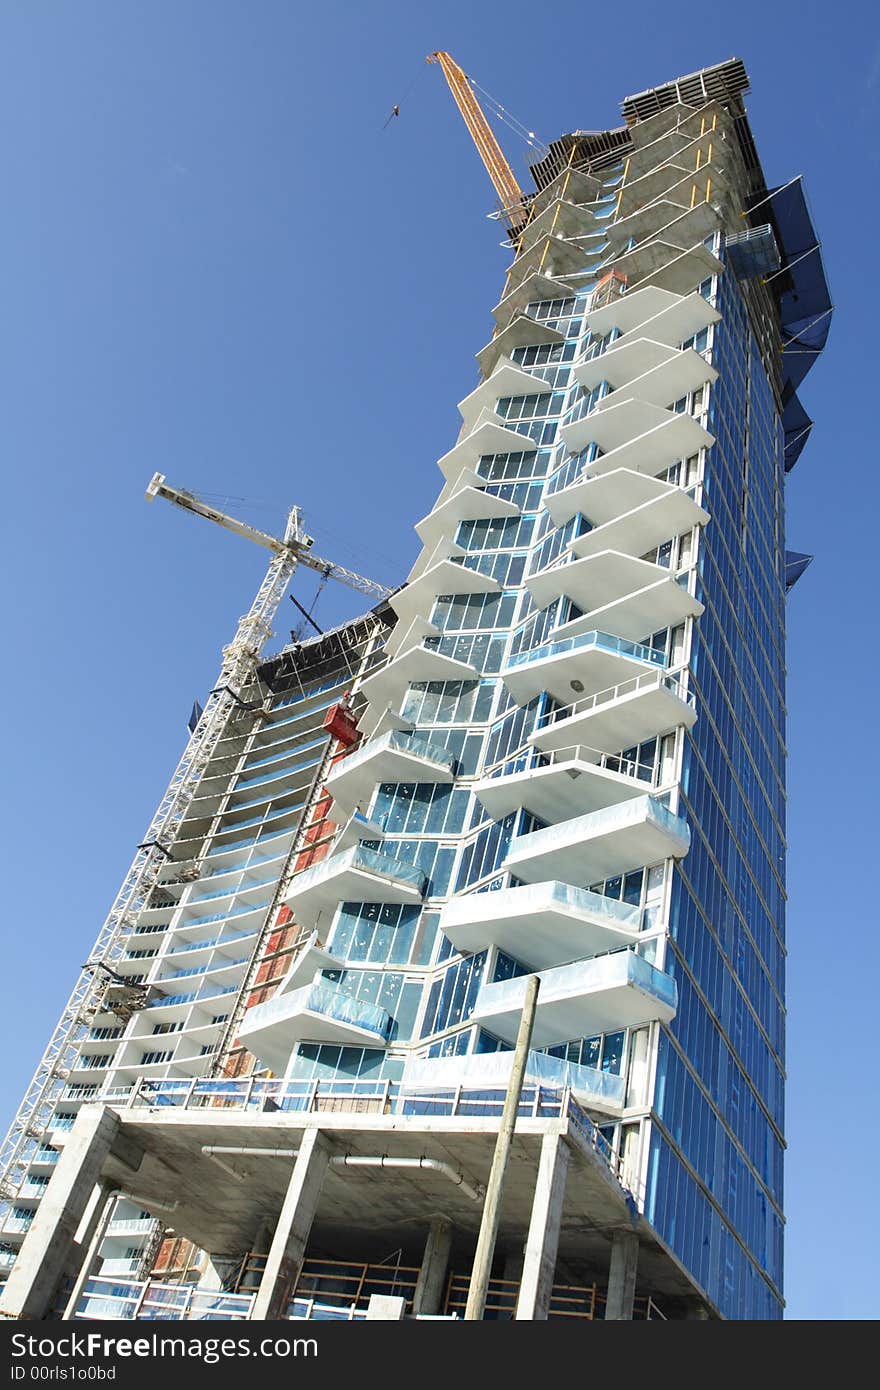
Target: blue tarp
802, 291
795, 564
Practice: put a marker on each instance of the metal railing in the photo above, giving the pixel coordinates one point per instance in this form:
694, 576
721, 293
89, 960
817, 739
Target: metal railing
528, 757
620, 646
130, 1298
649, 681
371, 1097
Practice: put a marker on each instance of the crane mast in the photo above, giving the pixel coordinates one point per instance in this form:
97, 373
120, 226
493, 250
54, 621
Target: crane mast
497, 167
238, 661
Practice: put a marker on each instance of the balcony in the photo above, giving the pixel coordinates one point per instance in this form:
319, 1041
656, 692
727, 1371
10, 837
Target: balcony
600, 579
467, 504
522, 331
507, 379
621, 716
309, 958
419, 663
644, 370
599, 1090
562, 218
588, 663
535, 288
443, 576
540, 924
554, 256
669, 267
315, 1013
673, 179
628, 425
357, 875
660, 315
629, 512
394, 757
490, 436
679, 223
600, 844
563, 783
670, 438
620, 990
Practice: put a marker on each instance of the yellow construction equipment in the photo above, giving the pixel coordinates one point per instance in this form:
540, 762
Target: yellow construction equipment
497, 167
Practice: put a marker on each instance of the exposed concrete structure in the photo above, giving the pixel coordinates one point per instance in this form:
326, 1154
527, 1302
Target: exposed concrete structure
435, 1262
294, 1224
622, 1276
95, 1140
543, 1238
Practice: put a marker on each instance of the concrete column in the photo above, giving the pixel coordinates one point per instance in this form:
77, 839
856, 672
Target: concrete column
542, 1242
294, 1224
102, 1213
622, 1276
49, 1244
435, 1262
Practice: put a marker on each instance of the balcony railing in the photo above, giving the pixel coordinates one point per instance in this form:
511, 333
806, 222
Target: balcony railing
620, 646
613, 692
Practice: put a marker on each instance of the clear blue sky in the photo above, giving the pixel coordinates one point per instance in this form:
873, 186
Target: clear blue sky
215, 263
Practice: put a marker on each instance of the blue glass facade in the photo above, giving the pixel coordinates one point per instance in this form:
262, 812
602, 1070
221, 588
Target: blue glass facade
719, 1093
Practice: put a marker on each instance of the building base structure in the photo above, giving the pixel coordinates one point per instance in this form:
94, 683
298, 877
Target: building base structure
325, 1188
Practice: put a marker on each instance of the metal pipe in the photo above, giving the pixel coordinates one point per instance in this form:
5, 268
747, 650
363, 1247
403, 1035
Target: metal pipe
475, 1191
485, 1252
209, 1150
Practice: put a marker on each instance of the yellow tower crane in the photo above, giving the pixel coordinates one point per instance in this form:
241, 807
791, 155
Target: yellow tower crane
497, 167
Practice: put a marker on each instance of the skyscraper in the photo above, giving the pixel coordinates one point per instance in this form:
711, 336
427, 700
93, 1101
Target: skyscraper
570, 762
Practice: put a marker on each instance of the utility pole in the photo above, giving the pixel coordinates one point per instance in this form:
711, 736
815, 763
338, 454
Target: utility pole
485, 1251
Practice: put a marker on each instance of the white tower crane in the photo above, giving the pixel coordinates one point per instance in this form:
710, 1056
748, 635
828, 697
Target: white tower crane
239, 660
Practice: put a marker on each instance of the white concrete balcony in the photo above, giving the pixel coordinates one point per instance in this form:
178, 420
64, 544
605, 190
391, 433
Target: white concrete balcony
467, 504
628, 426
658, 315
489, 436
522, 331
620, 717
597, 1090
541, 924
670, 267
576, 1001
310, 958
584, 664
394, 757
356, 875
531, 291
647, 371
506, 380
561, 783
600, 844
315, 1013
628, 511
674, 437
446, 575
419, 663
629, 597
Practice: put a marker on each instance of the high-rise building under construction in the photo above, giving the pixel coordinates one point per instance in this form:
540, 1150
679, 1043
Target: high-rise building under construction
555, 755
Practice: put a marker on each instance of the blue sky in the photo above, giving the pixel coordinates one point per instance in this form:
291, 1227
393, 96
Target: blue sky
217, 264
